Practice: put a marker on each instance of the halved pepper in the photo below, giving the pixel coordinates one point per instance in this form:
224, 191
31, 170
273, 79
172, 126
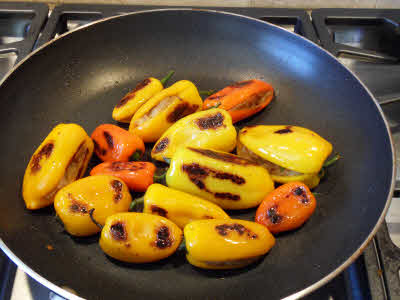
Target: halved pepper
139, 238
62, 158
165, 108
228, 180
208, 129
113, 143
138, 175
105, 194
290, 153
226, 244
242, 99
131, 102
179, 207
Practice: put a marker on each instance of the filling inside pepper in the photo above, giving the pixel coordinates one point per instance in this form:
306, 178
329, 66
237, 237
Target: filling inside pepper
162, 105
252, 102
272, 168
73, 170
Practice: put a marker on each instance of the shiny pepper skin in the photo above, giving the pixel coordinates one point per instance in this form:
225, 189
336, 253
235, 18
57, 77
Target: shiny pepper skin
287, 207
112, 143
105, 194
139, 238
226, 244
61, 158
165, 108
229, 181
138, 175
132, 101
242, 99
211, 129
290, 153
179, 207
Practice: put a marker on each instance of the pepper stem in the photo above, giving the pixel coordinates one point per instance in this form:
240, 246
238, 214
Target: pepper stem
136, 204
136, 155
215, 106
206, 92
93, 220
159, 178
331, 161
166, 78
182, 245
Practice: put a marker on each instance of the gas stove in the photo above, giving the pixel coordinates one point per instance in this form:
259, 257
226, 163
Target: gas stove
365, 40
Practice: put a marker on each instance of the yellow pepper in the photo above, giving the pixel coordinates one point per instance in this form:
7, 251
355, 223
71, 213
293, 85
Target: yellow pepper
61, 158
211, 129
228, 180
290, 153
226, 244
165, 108
105, 194
132, 101
179, 207
139, 238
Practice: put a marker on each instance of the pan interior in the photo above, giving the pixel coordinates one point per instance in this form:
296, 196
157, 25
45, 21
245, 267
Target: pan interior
80, 78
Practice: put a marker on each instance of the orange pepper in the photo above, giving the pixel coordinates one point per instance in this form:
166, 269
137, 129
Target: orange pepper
242, 99
137, 175
112, 143
287, 207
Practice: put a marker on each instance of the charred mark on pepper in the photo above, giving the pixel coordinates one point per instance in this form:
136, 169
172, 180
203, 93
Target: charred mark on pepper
228, 196
163, 238
197, 174
158, 210
181, 110
98, 149
109, 139
161, 145
118, 231
227, 157
131, 94
273, 215
224, 230
117, 187
126, 166
76, 206
211, 122
44, 152
298, 191
284, 130
241, 84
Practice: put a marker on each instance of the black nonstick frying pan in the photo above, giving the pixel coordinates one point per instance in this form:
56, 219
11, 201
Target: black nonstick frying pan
79, 78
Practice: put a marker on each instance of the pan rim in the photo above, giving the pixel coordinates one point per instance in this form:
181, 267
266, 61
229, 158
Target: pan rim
296, 295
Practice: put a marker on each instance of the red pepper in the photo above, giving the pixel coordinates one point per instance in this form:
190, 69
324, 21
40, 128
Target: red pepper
242, 99
287, 207
137, 175
112, 143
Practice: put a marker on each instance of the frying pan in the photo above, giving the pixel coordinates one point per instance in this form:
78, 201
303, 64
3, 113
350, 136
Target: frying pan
79, 78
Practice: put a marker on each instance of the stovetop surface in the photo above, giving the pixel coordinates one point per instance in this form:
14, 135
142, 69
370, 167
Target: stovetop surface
367, 41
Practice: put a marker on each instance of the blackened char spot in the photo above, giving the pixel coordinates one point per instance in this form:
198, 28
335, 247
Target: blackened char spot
163, 238
210, 122
76, 206
273, 215
234, 178
158, 210
126, 166
298, 191
161, 145
118, 231
224, 230
228, 196
284, 130
181, 110
131, 94
223, 156
109, 139
305, 200
241, 84
45, 151
117, 187
99, 151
